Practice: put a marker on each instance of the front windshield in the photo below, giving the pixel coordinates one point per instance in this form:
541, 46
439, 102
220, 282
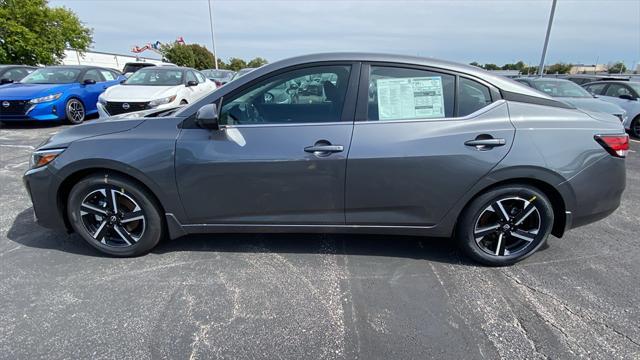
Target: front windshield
155, 77
52, 76
556, 88
218, 75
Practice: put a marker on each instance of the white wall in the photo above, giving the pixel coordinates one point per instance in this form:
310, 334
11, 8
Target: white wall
114, 61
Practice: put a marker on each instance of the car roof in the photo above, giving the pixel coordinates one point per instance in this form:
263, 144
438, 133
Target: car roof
498, 81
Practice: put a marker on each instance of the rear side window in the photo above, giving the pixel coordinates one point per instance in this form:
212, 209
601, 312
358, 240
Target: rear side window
596, 89
401, 93
472, 96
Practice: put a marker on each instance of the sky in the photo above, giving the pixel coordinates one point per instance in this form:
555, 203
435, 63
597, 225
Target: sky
498, 31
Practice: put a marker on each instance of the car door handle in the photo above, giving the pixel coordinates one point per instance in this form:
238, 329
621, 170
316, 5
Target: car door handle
324, 148
485, 144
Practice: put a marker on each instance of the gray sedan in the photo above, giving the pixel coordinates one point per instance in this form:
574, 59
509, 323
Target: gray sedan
372, 144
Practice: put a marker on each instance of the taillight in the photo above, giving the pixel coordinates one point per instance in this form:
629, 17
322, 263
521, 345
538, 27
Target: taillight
616, 145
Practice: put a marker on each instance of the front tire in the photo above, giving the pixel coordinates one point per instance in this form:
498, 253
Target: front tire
635, 127
75, 112
505, 225
115, 215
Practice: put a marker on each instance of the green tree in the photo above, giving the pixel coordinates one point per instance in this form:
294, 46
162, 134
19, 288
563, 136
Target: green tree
475, 63
559, 68
32, 33
203, 58
617, 68
236, 64
491, 67
181, 55
257, 62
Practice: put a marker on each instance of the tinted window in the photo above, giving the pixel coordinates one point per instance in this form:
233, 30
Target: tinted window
301, 96
561, 88
200, 77
14, 74
472, 96
402, 93
52, 76
596, 88
92, 74
108, 75
616, 90
191, 76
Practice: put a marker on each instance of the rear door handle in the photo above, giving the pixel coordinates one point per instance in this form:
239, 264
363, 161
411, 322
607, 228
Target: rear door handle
324, 148
485, 144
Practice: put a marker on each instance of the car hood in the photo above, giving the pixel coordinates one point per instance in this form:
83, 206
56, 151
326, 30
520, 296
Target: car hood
87, 130
138, 93
593, 104
19, 91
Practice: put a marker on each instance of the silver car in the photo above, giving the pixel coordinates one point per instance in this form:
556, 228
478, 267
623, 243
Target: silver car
366, 143
625, 94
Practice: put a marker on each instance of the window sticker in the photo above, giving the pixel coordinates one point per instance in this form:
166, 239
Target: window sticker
410, 98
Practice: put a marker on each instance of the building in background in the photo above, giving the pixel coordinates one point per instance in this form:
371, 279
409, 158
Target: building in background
588, 69
104, 59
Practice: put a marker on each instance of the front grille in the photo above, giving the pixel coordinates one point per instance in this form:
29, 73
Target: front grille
115, 108
13, 107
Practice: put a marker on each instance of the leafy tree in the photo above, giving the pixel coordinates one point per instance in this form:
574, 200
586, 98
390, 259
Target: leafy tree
617, 68
257, 62
559, 68
475, 64
203, 58
491, 67
236, 64
32, 33
181, 55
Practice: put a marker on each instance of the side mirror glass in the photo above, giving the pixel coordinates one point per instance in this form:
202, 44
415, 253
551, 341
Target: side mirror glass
192, 83
207, 117
89, 82
626, 97
5, 81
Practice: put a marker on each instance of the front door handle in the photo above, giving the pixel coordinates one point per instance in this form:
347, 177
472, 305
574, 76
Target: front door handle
485, 144
323, 148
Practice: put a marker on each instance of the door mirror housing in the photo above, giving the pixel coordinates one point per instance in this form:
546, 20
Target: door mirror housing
89, 82
5, 81
626, 97
207, 117
192, 83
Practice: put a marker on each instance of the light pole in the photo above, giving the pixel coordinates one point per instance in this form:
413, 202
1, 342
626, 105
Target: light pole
213, 37
546, 39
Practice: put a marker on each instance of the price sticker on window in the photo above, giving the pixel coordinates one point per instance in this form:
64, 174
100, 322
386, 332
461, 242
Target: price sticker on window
410, 98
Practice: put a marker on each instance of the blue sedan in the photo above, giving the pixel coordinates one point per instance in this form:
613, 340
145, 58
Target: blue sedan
56, 93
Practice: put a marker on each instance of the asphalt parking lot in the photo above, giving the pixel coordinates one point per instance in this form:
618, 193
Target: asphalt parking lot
311, 296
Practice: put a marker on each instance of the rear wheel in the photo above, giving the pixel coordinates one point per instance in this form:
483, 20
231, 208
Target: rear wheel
115, 215
505, 225
74, 110
635, 127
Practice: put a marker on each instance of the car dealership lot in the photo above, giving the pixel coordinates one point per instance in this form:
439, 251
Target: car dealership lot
311, 296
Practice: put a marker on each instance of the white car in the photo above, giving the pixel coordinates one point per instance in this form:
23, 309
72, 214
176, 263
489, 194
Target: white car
155, 87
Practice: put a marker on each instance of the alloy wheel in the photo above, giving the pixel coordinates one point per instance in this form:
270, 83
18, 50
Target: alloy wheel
75, 111
112, 217
509, 226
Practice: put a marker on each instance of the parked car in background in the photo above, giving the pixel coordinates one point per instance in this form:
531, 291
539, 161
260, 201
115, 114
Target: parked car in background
157, 87
581, 79
56, 93
220, 77
625, 94
392, 144
572, 94
242, 72
14, 73
131, 67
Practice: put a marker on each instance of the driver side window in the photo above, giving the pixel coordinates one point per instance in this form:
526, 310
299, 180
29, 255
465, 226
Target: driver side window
309, 95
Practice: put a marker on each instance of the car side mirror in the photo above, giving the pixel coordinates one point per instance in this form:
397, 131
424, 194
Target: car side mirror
207, 117
192, 83
5, 81
626, 97
89, 82
122, 81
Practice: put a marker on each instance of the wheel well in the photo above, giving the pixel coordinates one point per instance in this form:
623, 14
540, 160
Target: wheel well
183, 101
557, 202
71, 180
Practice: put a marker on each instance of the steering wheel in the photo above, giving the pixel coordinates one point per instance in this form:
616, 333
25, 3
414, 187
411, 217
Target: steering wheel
268, 98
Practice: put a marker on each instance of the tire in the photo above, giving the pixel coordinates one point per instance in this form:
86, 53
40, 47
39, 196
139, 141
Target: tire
74, 111
634, 128
485, 236
130, 232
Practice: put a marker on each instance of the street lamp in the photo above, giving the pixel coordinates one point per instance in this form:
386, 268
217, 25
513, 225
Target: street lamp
546, 39
213, 38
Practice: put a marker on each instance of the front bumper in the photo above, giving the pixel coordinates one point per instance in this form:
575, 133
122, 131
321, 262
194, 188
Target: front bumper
49, 111
42, 186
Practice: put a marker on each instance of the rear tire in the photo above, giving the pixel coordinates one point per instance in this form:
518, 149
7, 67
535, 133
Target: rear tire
505, 225
115, 215
634, 128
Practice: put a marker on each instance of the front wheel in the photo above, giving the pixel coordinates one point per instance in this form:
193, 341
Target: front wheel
115, 215
635, 127
505, 225
74, 110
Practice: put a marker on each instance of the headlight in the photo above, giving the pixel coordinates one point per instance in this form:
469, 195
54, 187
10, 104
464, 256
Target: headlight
162, 101
45, 98
43, 157
102, 101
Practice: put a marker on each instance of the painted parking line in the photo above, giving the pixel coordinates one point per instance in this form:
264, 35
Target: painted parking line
635, 141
